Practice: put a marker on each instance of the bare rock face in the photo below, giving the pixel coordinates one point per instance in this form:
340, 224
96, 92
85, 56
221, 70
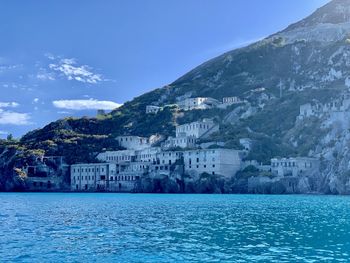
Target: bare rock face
335, 12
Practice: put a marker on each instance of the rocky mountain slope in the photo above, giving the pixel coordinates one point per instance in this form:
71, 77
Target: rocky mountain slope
307, 62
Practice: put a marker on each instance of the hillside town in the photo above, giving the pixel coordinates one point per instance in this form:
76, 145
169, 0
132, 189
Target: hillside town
175, 157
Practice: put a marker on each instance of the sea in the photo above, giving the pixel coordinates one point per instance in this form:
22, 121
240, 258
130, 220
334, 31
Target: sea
98, 227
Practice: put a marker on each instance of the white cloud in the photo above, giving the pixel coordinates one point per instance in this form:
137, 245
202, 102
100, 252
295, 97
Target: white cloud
36, 100
90, 104
68, 67
4, 133
44, 75
8, 104
14, 118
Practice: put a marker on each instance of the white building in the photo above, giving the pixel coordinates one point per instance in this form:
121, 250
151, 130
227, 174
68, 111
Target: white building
306, 111
91, 177
150, 109
198, 129
165, 162
133, 142
231, 100
117, 156
148, 155
181, 142
101, 177
295, 166
223, 162
200, 103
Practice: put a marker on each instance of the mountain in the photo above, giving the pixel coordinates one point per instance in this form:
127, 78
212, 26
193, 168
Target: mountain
308, 62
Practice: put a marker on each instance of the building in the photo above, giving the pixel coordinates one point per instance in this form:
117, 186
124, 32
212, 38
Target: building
150, 109
198, 129
199, 103
306, 111
117, 156
338, 107
148, 155
181, 142
91, 177
102, 177
134, 142
224, 162
246, 143
231, 100
50, 183
295, 166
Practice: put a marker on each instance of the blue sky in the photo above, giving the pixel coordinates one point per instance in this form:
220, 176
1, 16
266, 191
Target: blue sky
68, 58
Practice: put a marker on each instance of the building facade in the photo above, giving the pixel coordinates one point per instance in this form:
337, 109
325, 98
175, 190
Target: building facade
295, 166
181, 142
133, 142
198, 129
224, 162
102, 177
199, 103
231, 100
117, 156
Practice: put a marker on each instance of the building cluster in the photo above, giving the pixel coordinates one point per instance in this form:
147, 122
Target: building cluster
121, 170
184, 154
197, 103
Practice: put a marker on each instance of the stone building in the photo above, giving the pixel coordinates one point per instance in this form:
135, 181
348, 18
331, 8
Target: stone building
223, 162
198, 129
102, 177
91, 176
199, 103
181, 142
295, 166
150, 109
117, 156
148, 155
134, 142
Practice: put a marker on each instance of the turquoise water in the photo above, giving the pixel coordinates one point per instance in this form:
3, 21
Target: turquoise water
173, 228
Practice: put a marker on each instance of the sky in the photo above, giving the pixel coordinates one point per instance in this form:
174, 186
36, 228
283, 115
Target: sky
70, 58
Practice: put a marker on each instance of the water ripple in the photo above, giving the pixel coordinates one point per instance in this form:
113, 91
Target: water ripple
173, 228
